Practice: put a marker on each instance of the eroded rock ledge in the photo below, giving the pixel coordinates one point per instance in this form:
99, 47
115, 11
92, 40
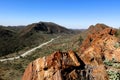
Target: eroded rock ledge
57, 66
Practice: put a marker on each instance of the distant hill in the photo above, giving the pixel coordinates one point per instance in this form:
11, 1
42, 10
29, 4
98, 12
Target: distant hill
6, 32
16, 38
46, 27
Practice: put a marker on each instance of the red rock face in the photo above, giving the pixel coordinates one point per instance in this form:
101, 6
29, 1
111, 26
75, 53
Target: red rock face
97, 47
86, 65
52, 67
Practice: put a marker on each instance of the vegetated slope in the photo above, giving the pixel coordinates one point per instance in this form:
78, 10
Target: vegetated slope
4, 33
86, 64
14, 39
16, 67
7, 41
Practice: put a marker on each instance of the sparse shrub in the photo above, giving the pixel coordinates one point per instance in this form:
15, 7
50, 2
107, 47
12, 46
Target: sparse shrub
113, 75
18, 67
117, 34
116, 65
117, 45
108, 62
80, 39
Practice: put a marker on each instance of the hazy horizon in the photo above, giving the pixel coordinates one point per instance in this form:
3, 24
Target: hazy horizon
75, 14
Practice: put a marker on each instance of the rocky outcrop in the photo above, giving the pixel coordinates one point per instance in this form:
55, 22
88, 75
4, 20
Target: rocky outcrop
57, 66
86, 64
98, 46
101, 45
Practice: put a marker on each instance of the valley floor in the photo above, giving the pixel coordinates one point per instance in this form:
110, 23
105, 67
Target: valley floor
29, 51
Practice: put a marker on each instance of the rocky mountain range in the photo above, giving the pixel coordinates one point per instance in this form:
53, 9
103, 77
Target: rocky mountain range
87, 63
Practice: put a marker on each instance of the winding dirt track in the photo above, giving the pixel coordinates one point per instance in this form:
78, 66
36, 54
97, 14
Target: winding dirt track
29, 51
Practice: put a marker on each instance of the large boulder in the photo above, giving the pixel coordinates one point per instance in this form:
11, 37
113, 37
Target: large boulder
56, 66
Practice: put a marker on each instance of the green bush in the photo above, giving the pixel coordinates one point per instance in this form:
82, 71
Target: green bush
113, 75
118, 33
108, 62
80, 39
116, 65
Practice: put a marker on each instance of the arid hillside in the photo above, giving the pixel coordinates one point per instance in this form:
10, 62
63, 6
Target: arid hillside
46, 27
96, 59
25, 37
